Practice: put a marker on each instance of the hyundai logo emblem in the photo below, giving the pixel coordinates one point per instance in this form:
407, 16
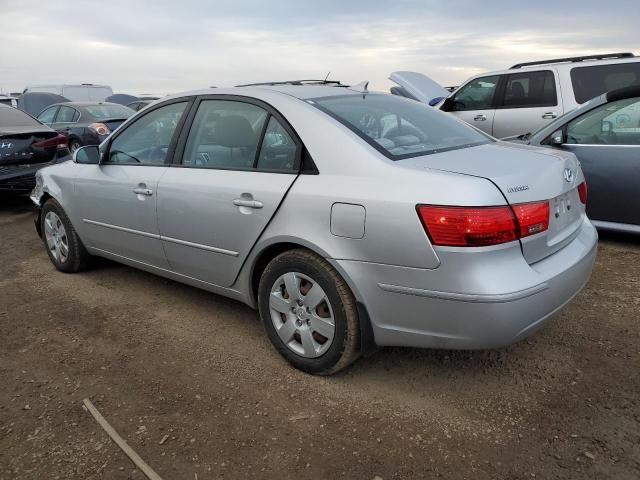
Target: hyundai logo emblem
568, 175
6, 145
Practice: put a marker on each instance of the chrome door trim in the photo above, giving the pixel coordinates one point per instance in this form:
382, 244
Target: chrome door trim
122, 229
208, 248
466, 297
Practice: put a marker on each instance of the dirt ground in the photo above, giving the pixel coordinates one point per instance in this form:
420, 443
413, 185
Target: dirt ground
160, 359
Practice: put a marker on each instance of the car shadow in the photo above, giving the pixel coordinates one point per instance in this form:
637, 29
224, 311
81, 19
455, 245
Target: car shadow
15, 204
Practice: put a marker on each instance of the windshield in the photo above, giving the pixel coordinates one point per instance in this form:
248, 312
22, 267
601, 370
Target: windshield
100, 112
400, 128
12, 117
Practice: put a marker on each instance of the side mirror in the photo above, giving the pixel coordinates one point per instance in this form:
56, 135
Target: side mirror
447, 105
89, 155
557, 138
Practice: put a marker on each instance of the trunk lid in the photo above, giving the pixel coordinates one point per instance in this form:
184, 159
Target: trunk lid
523, 174
419, 86
20, 148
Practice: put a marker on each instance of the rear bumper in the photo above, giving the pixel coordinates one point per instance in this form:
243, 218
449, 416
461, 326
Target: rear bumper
19, 180
474, 300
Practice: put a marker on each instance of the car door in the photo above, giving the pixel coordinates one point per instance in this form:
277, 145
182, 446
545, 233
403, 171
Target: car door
606, 140
528, 101
117, 198
474, 102
238, 159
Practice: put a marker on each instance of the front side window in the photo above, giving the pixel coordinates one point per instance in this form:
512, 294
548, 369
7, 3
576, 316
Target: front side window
66, 115
147, 140
530, 89
590, 82
476, 95
225, 134
615, 123
400, 128
47, 116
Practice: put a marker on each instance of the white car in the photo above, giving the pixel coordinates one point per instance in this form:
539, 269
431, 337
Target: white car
527, 96
85, 92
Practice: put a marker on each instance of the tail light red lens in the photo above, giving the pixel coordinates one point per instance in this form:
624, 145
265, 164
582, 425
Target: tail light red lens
482, 226
582, 192
468, 226
532, 217
59, 142
100, 128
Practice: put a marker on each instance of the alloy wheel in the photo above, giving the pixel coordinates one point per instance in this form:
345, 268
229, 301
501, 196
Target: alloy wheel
56, 236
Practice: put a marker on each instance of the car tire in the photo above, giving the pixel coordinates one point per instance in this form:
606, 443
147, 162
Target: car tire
300, 325
64, 247
74, 145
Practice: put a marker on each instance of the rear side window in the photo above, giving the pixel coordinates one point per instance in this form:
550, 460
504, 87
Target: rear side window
590, 82
12, 117
66, 115
225, 134
530, 89
400, 128
476, 95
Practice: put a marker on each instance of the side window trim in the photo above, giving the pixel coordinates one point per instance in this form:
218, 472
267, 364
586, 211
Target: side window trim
271, 112
172, 145
261, 141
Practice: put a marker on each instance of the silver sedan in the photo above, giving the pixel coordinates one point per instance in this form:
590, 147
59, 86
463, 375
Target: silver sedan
349, 219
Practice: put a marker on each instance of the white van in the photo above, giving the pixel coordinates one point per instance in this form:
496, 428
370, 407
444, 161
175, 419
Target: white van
527, 96
76, 93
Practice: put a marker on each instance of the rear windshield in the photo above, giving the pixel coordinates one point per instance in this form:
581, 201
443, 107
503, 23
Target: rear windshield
398, 127
589, 82
109, 111
12, 117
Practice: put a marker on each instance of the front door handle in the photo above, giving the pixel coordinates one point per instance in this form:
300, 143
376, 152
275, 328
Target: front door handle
243, 202
480, 118
143, 191
549, 115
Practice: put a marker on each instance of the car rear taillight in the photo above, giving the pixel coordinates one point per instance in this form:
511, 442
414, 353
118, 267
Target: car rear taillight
582, 192
100, 128
59, 142
481, 226
532, 217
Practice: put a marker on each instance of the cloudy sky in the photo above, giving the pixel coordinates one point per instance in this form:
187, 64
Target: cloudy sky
162, 46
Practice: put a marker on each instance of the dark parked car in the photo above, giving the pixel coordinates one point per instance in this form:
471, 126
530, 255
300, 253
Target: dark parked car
85, 123
25, 146
604, 133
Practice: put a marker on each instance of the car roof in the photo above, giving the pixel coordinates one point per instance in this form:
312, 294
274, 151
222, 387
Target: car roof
302, 92
84, 104
565, 65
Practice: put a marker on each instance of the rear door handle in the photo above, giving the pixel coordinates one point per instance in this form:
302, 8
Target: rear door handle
480, 118
143, 191
242, 202
549, 115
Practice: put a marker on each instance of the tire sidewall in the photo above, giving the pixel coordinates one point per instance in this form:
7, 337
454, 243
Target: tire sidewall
291, 263
69, 265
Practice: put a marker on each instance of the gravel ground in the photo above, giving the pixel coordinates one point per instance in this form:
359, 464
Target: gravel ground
190, 380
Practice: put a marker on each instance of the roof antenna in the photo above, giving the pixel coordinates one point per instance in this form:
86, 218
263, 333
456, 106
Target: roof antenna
326, 78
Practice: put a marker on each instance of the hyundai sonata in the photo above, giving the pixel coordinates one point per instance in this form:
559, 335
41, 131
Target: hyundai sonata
349, 219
